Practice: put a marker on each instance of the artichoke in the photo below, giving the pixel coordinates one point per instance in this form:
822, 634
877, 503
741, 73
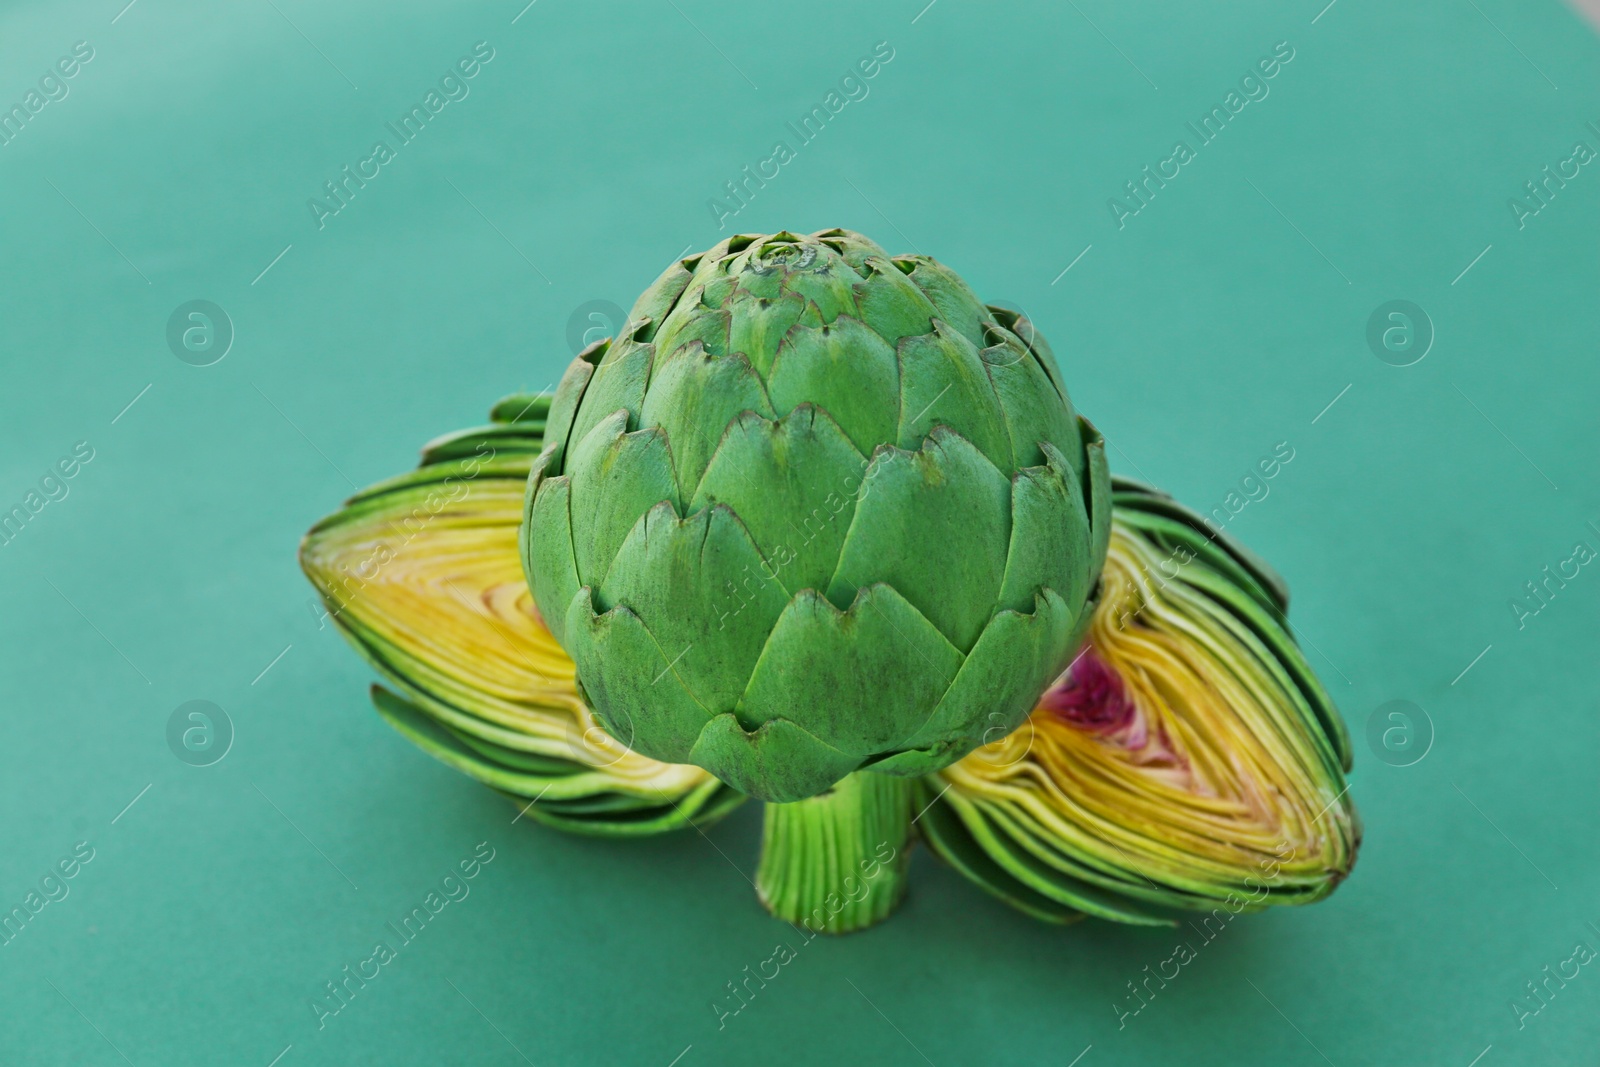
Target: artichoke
817, 510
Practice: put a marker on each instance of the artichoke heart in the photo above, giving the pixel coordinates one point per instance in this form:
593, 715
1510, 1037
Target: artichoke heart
421, 574
1187, 759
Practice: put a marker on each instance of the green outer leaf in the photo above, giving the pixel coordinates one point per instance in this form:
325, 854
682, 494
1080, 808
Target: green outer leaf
711, 801
892, 304
863, 679
1136, 499
637, 696
485, 441
805, 461
1055, 884
548, 560
616, 478
1033, 413
699, 807
508, 466
934, 524
779, 762
569, 394
704, 329
1098, 489
1051, 537
522, 407
468, 733
618, 385
1174, 538
1026, 332
658, 300
760, 323
673, 574
943, 381
1101, 868
955, 301
846, 370
997, 687
945, 834
694, 397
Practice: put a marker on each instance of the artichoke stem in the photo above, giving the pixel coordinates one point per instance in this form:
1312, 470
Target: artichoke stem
836, 863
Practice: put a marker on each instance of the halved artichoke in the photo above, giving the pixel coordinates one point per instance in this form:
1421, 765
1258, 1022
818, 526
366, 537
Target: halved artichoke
422, 574
1188, 759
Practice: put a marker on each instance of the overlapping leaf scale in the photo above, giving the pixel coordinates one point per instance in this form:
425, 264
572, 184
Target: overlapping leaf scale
693, 397
804, 459
845, 369
934, 524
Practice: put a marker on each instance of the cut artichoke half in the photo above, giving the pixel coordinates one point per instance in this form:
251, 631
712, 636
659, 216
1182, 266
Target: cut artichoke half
1188, 759
422, 574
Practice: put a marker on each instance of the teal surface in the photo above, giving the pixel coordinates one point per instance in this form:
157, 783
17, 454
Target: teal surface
1225, 320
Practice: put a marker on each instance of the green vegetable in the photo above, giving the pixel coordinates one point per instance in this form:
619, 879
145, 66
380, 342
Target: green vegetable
817, 511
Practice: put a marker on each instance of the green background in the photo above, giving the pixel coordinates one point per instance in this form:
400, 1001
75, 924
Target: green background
1220, 321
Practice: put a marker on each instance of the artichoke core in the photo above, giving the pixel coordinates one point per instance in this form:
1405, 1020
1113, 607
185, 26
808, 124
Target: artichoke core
1091, 697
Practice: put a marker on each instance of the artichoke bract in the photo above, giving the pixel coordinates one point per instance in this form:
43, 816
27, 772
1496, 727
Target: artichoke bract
816, 510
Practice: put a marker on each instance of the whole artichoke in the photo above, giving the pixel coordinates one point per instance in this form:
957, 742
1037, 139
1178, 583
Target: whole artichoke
818, 509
